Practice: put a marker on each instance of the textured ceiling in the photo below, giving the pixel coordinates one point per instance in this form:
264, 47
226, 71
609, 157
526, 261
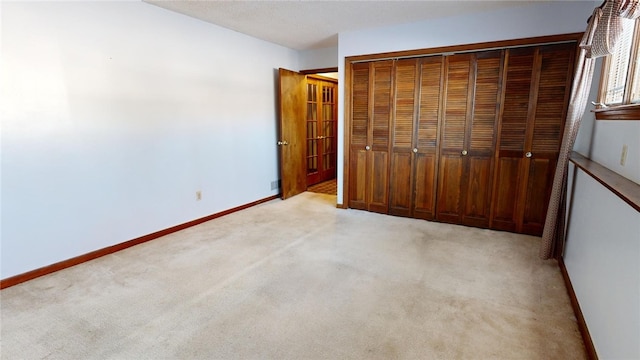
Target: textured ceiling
306, 25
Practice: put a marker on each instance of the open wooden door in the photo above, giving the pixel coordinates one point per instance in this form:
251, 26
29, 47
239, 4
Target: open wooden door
292, 136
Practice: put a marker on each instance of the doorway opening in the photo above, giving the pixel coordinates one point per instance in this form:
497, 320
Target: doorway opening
308, 131
321, 132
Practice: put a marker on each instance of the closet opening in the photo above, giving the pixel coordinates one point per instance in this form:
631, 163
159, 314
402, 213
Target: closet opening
467, 134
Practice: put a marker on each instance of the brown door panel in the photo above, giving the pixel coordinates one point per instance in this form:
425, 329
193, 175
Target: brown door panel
357, 178
425, 190
400, 192
477, 194
379, 186
506, 192
292, 136
539, 184
449, 188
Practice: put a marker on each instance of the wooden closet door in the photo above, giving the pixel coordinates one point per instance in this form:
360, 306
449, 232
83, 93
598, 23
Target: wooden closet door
426, 134
480, 139
517, 109
554, 75
468, 138
370, 136
538, 82
415, 133
459, 75
379, 135
402, 155
360, 110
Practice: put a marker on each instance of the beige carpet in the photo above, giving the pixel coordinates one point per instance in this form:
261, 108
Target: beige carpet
300, 279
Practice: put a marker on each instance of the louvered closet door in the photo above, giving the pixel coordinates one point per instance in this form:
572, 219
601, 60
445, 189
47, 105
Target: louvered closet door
401, 175
513, 129
370, 136
415, 133
480, 139
555, 64
538, 81
468, 137
459, 77
379, 135
359, 136
426, 158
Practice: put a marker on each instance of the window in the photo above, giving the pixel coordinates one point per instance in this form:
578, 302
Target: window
620, 82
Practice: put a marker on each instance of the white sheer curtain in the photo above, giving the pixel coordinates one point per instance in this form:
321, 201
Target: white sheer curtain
603, 31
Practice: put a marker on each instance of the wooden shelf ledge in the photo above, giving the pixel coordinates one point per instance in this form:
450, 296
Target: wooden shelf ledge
624, 188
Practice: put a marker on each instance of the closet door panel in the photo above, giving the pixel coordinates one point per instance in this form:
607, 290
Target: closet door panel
485, 103
400, 191
477, 199
429, 106
506, 194
449, 183
538, 191
425, 175
360, 111
400, 194
357, 179
555, 64
456, 102
452, 139
360, 105
426, 159
553, 93
516, 108
510, 172
481, 139
381, 116
378, 182
378, 164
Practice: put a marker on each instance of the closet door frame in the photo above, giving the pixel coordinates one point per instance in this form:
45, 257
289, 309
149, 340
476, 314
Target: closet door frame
344, 201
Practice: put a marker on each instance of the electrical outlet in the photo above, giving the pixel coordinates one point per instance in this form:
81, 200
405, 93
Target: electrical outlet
623, 156
275, 185
198, 195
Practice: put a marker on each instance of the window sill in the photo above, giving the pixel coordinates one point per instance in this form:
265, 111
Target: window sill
620, 112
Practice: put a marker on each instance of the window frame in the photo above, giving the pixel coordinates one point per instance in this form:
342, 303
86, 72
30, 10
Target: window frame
625, 110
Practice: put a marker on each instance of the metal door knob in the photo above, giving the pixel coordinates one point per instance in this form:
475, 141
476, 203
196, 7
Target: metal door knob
528, 154
464, 152
415, 150
367, 147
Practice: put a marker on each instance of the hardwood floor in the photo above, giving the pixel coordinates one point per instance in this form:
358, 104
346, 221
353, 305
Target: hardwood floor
329, 187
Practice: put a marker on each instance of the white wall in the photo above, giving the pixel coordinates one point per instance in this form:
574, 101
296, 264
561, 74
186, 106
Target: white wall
602, 253
606, 147
602, 257
537, 19
115, 113
319, 58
